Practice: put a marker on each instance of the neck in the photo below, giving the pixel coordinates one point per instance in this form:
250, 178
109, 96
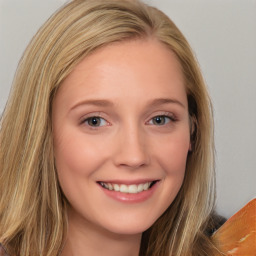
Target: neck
85, 238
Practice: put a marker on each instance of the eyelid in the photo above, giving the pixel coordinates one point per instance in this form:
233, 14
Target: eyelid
91, 115
172, 116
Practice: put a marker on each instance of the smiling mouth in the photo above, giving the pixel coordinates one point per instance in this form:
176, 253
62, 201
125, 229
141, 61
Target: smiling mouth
130, 189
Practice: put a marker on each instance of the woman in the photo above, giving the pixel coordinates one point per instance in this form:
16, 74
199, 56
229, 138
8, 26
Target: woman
107, 138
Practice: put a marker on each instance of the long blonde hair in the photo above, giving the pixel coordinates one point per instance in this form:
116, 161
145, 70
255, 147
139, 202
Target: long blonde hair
32, 207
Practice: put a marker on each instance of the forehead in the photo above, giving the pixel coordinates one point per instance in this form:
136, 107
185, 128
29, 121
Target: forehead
146, 67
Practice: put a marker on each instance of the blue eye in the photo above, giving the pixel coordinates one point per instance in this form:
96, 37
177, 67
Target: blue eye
160, 120
95, 121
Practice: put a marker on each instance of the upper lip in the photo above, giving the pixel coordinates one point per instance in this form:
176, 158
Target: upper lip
128, 182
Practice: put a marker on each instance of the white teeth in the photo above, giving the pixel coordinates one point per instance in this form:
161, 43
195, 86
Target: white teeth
104, 185
123, 188
140, 187
131, 189
116, 187
146, 186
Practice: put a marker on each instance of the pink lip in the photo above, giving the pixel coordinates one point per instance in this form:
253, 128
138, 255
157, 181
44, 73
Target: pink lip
130, 198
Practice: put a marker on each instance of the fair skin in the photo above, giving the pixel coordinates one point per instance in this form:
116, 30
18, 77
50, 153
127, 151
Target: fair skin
120, 122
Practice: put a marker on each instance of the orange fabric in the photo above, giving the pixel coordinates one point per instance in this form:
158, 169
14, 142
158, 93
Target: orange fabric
237, 236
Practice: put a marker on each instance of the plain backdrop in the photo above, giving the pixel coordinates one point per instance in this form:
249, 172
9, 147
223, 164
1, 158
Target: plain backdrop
222, 34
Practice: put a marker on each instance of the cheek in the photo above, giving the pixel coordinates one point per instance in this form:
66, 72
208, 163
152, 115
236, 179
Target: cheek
173, 162
75, 156
76, 159
172, 157
172, 154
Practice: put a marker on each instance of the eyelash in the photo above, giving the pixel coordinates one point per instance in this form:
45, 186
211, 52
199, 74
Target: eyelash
169, 116
88, 119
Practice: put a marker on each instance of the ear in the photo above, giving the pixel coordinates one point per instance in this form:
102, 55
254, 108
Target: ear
190, 147
193, 130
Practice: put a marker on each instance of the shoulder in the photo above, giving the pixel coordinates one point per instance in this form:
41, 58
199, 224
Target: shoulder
215, 222
238, 233
2, 251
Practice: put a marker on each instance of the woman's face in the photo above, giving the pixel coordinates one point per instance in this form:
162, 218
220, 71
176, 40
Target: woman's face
121, 136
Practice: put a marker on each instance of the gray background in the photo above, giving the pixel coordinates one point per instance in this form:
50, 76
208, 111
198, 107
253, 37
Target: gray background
223, 36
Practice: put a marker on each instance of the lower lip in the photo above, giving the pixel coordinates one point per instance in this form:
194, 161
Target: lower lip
130, 198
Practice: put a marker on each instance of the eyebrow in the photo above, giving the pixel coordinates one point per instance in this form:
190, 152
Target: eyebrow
97, 103
107, 103
161, 101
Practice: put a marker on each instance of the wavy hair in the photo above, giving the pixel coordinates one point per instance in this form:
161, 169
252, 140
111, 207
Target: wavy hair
32, 207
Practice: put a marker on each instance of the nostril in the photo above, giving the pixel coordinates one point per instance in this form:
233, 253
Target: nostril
131, 152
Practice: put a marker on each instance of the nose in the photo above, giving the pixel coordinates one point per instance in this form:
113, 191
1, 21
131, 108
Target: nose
131, 150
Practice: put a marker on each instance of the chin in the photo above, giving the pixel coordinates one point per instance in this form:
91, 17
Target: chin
129, 227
